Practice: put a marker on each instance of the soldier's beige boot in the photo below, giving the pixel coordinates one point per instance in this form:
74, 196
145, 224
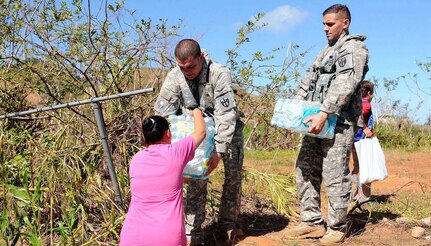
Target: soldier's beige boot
332, 237
304, 231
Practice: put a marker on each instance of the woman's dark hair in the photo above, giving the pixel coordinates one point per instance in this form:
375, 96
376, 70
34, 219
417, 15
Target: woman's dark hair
367, 86
153, 129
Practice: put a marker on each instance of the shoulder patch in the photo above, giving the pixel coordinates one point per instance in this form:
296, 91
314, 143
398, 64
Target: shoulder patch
225, 102
342, 61
345, 62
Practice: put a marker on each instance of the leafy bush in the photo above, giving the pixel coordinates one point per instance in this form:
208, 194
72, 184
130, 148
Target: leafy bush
408, 137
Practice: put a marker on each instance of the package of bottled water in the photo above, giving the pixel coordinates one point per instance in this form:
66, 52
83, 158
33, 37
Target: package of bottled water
181, 127
291, 114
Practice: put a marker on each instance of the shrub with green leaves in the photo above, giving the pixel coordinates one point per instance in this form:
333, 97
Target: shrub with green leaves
408, 137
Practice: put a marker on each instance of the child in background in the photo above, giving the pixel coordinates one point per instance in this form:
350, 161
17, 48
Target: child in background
155, 215
362, 192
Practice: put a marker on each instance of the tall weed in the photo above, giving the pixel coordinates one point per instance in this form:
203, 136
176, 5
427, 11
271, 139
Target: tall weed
407, 137
53, 187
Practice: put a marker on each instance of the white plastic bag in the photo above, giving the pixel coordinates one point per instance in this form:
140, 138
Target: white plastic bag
181, 127
372, 163
291, 114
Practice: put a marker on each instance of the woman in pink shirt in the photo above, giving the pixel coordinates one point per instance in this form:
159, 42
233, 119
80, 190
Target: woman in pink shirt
155, 215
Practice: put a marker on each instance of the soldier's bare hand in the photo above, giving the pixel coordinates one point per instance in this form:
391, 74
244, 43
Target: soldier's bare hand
213, 162
317, 122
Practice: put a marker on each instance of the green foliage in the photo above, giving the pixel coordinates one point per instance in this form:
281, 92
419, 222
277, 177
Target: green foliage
58, 194
426, 67
402, 136
22, 214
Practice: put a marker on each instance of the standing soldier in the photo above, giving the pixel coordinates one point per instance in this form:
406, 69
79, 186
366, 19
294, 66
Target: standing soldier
199, 82
333, 79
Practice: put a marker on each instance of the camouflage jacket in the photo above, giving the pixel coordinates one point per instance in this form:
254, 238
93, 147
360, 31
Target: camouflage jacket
215, 95
334, 79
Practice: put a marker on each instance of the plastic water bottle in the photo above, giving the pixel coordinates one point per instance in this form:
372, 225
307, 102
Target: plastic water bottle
181, 127
291, 114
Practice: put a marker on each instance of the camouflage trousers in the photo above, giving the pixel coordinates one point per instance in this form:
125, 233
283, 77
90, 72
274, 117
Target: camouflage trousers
196, 197
327, 160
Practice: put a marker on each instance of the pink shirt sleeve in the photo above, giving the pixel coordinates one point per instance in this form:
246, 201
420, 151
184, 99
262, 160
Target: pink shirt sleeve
185, 149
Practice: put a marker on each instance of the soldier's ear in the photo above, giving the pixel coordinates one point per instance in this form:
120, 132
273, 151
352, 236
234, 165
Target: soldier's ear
346, 24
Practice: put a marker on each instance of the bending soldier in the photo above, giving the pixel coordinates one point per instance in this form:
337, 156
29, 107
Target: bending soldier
199, 82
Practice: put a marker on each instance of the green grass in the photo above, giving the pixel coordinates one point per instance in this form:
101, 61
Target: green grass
406, 204
274, 162
270, 155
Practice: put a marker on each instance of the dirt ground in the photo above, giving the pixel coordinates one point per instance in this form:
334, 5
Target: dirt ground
407, 172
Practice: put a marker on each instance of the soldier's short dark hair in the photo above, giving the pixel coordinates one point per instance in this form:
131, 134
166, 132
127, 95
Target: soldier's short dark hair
338, 8
153, 129
367, 86
186, 48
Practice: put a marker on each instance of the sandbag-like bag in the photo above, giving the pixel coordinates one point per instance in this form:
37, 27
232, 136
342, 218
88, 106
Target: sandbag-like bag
291, 114
181, 127
372, 163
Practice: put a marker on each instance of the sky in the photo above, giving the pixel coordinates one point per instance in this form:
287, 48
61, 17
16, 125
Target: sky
398, 34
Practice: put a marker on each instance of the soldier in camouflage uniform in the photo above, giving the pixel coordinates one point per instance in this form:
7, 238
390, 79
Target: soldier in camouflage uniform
197, 81
334, 80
